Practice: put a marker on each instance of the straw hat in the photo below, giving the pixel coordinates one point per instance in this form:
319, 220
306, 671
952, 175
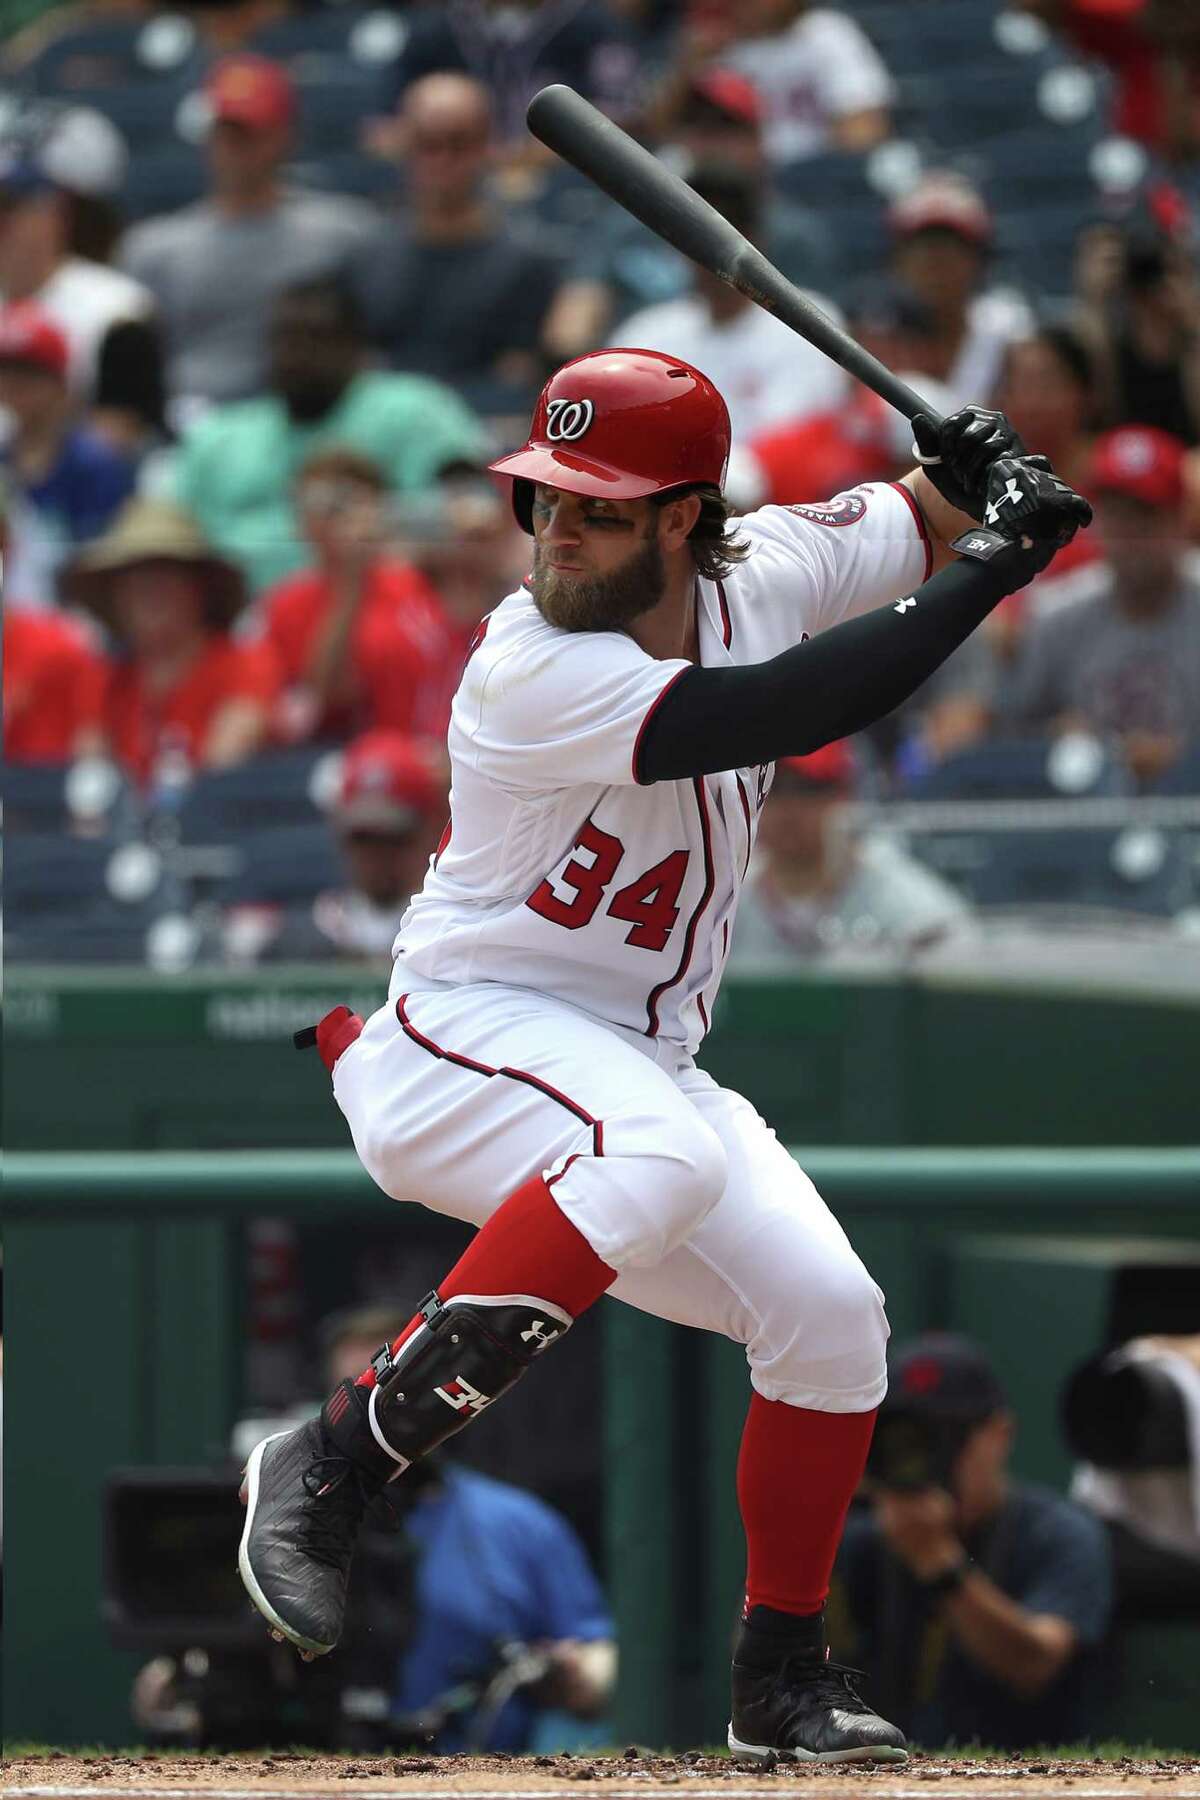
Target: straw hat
152, 530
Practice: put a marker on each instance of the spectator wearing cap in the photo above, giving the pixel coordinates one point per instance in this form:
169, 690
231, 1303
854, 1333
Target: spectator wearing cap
975, 1603
361, 638
66, 481
48, 664
817, 891
766, 373
389, 811
824, 84
176, 689
217, 268
454, 286
55, 165
1124, 663
942, 235
236, 469
711, 114
863, 439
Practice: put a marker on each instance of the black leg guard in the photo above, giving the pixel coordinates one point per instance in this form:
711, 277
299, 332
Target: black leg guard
468, 1351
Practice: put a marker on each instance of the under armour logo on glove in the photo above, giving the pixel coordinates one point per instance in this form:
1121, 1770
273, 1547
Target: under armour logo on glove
902, 606
538, 1334
1011, 496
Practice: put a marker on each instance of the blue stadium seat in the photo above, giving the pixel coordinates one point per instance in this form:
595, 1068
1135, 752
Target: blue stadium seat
84, 900
1183, 777
271, 792
86, 61
1137, 869
347, 172
161, 180
1020, 769
334, 97
928, 33
62, 799
283, 867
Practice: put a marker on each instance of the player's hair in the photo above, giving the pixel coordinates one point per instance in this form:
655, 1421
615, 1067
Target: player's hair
716, 550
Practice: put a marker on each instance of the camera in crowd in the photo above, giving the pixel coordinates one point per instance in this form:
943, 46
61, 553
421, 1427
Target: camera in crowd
1125, 1415
171, 1589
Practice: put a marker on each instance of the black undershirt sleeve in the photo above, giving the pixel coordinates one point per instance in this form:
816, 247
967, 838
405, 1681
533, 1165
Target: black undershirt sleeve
834, 684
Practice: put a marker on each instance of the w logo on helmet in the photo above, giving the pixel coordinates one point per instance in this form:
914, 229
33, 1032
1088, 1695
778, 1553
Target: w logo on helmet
567, 420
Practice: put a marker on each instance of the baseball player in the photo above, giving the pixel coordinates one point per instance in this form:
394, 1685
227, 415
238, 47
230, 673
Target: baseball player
533, 1070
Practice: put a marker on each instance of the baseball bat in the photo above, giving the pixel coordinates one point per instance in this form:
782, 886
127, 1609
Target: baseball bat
568, 124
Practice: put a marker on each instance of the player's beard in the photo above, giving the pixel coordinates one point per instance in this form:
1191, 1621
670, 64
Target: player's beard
599, 602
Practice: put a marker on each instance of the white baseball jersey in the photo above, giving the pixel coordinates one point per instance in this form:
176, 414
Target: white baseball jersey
558, 872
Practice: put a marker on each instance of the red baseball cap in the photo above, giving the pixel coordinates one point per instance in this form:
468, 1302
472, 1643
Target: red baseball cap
30, 337
252, 91
830, 767
1140, 461
389, 782
942, 201
730, 93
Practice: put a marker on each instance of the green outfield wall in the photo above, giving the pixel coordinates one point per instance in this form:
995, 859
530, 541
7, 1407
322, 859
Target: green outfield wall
123, 1278
107, 1060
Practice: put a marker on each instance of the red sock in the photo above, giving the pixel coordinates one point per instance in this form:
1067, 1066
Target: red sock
797, 1472
528, 1246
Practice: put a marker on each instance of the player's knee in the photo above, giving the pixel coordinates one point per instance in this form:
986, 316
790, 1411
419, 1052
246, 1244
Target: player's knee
829, 1348
672, 1190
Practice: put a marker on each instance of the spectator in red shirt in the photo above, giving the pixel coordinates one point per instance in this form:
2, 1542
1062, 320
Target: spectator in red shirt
388, 814
361, 639
175, 688
47, 660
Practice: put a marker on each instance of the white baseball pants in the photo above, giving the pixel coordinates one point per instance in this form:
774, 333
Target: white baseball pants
457, 1095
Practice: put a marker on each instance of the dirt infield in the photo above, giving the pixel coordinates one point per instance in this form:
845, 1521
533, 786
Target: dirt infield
628, 1776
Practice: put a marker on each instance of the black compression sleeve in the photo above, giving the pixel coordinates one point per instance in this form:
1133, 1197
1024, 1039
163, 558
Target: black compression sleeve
835, 684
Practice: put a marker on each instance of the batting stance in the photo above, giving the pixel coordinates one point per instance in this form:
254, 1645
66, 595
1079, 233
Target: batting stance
533, 1070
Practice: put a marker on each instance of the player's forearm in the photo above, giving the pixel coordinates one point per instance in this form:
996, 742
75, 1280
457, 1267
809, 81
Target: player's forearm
944, 521
838, 683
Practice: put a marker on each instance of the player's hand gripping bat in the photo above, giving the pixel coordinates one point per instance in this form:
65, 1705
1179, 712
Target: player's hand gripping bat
636, 180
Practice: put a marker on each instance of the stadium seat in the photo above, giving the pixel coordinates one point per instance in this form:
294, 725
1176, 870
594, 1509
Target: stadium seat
281, 868
1183, 777
84, 798
346, 172
269, 793
334, 97
1137, 869
84, 900
161, 180
928, 33
86, 61
1023, 769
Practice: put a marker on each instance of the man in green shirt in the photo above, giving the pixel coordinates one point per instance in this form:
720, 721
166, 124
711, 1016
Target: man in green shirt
235, 469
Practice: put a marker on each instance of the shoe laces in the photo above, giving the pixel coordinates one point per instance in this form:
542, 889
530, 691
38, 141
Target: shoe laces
339, 1494
830, 1681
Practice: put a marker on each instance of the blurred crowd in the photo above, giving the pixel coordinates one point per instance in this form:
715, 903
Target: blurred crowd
277, 279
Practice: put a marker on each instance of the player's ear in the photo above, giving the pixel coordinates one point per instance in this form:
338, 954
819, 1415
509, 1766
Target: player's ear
677, 519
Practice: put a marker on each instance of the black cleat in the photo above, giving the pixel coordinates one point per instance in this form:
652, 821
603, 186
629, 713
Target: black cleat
791, 1704
305, 1499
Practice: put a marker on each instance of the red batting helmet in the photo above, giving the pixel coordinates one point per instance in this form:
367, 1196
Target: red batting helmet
621, 424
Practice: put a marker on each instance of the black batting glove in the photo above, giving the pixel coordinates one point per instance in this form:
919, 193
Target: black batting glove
1028, 515
957, 454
